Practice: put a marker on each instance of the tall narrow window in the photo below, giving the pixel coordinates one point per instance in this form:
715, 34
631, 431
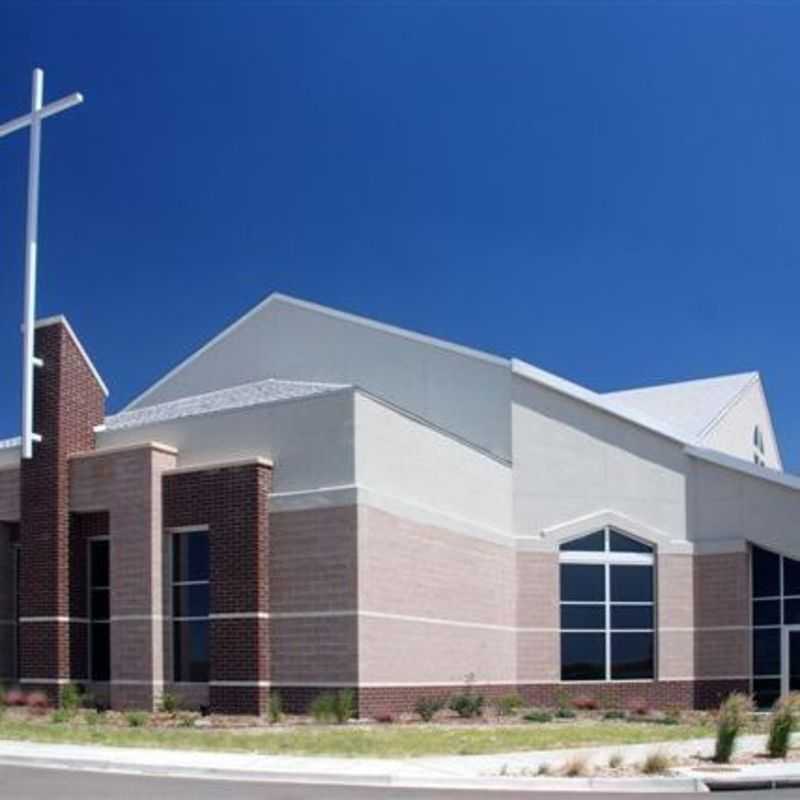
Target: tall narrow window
99, 608
190, 606
607, 608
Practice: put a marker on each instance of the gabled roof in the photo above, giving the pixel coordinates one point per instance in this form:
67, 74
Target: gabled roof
249, 394
691, 408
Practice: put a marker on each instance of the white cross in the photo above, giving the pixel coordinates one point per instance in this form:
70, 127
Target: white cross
34, 121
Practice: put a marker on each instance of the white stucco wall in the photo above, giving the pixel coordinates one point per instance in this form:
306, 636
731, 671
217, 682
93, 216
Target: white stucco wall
309, 440
399, 458
729, 507
572, 460
733, 434
468, 395
9, 457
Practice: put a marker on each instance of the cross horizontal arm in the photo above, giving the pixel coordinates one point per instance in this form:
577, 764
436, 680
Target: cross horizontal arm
47, 111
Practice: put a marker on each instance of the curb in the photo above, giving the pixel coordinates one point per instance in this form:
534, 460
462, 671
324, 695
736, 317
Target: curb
677, 785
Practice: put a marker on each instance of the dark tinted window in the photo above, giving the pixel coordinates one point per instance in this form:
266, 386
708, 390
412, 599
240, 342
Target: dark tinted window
791, 612
767, 612
619, 543
631, 656
631, 617
631, 584
584, 582
765, 692
594, 542
791, 576
767, 651
583, 656
190, 556
583, 617
766, 573
100, 651
190, 601
98, 555
190, 651
100, 600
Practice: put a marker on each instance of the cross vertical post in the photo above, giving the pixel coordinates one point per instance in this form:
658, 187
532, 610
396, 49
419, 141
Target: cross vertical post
31, 237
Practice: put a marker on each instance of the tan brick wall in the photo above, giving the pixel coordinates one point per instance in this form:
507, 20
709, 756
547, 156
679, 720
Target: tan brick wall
9, 495
127, 483
675, 588
538, 656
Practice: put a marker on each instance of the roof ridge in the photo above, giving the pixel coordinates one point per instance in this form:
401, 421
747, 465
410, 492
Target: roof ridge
728, 405
749, 373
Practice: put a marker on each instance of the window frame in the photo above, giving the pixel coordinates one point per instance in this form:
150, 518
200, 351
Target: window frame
608, 558
172, 534
91, 621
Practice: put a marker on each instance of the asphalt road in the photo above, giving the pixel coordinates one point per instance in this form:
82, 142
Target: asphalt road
27, 783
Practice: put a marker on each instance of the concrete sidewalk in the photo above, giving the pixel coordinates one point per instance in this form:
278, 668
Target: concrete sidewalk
500, 771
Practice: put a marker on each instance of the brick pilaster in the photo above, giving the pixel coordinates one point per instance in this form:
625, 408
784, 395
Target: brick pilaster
233, 502
68, 404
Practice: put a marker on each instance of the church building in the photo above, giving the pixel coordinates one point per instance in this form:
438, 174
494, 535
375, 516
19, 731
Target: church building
315, 501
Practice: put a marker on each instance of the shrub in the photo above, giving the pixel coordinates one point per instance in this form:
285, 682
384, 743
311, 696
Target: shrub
615, 760
656, 763
169, 703
61, 715
614, 714
136, 719
37, 702
576, 767
544, 769
275, 710
16, 697
538, 716
508, 704
782, 724
730, 721
585, 703
71, 698
466, 704
565, 713
385, 719
428, 707
337, 707
93, 717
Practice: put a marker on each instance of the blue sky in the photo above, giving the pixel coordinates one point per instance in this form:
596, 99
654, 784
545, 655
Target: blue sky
609, 191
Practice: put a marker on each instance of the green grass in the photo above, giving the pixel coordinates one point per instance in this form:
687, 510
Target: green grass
377, 742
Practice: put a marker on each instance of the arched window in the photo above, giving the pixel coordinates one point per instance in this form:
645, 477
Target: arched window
607, 607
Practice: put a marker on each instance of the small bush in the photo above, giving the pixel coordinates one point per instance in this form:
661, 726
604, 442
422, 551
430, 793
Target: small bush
136, 719
566, 713
544, 769
466, 704
508, 705
577, 767
338, 707
93, 717
61, 715
782, 724
71, 698
37, 702
169, 703
731, 719
385, 719
615, 760
428, 707
538, 716
275, 711
614, 714
16, 697
585, 703
656, 763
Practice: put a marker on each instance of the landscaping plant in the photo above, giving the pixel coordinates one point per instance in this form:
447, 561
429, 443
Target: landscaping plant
508, 704
71, 698
577, 767
37, 702
428, 707
782, 724
136, 719
330, 707
656, 763
466, 704
169, 703
731, 718
538, 716
275, 708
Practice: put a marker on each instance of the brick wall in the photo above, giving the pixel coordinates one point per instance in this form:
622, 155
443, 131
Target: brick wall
233, 502
8, 660
68, 404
